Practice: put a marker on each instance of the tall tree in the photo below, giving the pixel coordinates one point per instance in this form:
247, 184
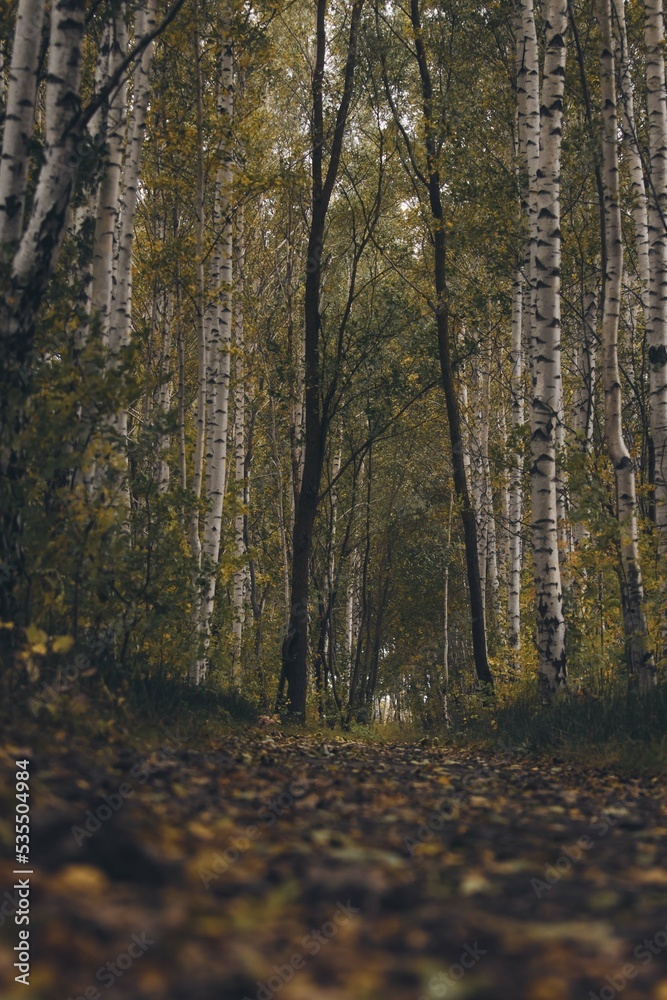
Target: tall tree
639, 658
295, 644
546, 394
657, 231
443, 324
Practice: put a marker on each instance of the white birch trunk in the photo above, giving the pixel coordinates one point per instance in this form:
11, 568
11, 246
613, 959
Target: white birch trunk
584, 392
516, 480
546, 380
478, 492
493, 579
121, 308
19, 118
164, 392
528, 100
242, 495
219, 370
639, 658
202, 347
42, 239
631, 146
654, 35
109, 191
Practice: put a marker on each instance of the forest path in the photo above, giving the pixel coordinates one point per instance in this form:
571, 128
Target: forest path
271, 865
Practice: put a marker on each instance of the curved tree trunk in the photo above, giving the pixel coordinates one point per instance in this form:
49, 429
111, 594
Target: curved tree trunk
446, 369
295, 644
641, 666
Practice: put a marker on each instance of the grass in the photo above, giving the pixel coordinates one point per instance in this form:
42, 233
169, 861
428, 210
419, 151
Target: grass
620, 728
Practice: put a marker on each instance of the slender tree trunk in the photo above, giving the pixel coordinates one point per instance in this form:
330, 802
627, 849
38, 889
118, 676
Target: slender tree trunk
492, 576
631, 143
546, 377
19, 121
584, 392
295, 644
445, 631
280, 509
528, 100
164, 392
654, 35
475, 451
121, 305
641, 666
219, 369
444, 350
109, 191
182, 455
239, 449
516, 475
202, 352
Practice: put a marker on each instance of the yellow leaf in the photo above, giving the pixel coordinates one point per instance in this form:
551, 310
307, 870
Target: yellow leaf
36, 636
62, 643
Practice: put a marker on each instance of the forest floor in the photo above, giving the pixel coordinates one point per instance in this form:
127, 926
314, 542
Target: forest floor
264, 865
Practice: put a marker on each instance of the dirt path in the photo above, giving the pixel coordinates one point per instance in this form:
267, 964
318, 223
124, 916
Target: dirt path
270, 866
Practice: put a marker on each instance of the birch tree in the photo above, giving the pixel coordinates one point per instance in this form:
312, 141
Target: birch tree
121, 306
218, 338
523, 288
639, 658
239, 458
19, 120
546, 396
28, 267
654, 35
108, 198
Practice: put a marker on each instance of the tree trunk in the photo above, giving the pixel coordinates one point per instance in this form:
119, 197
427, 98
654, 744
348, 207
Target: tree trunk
528, 102
546, 375
444, 351
239, 461
19, 121
109, 191
121, 304
640, 663
219, 371
26, 276
516, 476
295, 644
584, 392
654, 34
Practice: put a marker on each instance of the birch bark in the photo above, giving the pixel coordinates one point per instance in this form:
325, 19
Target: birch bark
516, 474
654, 35
19, 119
546, 378
242, 496
219, 369
639, 658
109, 192
121, 305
